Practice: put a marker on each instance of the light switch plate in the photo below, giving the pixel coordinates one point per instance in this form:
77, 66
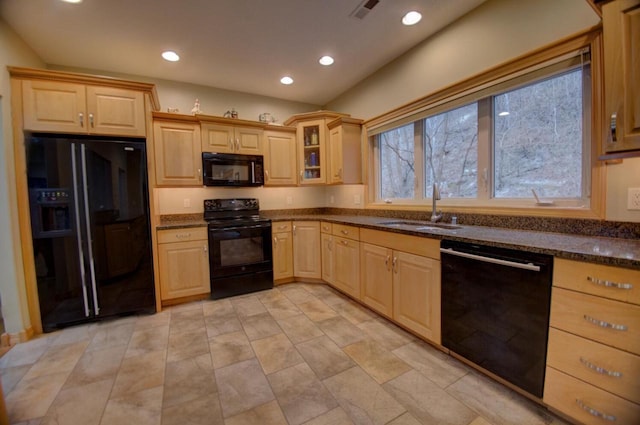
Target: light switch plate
633, 199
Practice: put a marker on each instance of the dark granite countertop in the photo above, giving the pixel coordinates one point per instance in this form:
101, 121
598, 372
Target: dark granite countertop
604, 250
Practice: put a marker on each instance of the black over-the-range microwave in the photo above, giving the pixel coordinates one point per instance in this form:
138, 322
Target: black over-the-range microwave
228, 169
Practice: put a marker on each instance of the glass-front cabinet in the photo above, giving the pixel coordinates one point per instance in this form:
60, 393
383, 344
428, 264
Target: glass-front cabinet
312, 155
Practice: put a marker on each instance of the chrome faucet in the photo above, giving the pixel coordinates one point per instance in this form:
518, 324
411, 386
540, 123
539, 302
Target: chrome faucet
435, 216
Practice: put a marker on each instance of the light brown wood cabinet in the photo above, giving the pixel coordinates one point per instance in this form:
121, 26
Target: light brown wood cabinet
280, 157
593, 358
178, 157
183, 261
346, 259
406, 285
226, 138
62, 107
328, 258
306, 249
282, 251
345, 164
621, 28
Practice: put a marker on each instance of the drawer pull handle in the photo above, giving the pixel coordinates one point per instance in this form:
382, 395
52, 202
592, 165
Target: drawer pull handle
604, 324
344, 232
609, 284
283, 227
595, 412
183, 235
345, 243
275, 240
600, 370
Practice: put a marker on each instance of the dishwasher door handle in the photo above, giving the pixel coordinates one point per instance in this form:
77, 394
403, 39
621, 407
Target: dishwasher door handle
527, 266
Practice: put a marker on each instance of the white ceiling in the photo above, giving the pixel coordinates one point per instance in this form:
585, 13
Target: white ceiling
242, 45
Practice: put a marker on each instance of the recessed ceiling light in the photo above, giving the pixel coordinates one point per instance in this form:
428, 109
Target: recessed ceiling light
171, 56
503, 114
326, 60
412, 18
286, 80
72, 1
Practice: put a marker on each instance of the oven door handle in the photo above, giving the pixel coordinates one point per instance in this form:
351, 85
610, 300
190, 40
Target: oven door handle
527, 266
241, 227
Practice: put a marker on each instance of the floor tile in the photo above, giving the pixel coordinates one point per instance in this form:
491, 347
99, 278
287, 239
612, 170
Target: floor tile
324, 357
480, 421
140, 373
301, 395
265, 414
316, 310
73, 335
362, 398
242, 386
204, 410
300, 328
406, 419
275, 353
247, 306
386, 333
96, 366
111, 336
183, 345
11, 376
82, 404
31, 398
25, 353
297, 294
353, 312
427, 402
148, 340
341, 331
336, 416
432, 363
259, 326
221, 307
380, 364
62, 358
222, 324
496, 403
185, 321
147, 321
230, 348
328, 295
281, 308
143, 407
188, 380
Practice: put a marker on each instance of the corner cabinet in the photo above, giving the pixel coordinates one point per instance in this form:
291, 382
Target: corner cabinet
280, 156
345, 149
183, 261
228, 135
62, 107
314, 148
621, 28
306, 249
282, 247
178, 156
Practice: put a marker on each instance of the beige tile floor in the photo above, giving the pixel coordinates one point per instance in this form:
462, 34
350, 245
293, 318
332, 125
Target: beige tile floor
297, 354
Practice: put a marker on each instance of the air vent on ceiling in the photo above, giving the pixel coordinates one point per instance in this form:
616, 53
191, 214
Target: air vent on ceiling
364, 8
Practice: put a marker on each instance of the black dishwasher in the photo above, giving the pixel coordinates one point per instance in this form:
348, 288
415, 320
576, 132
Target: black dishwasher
495, 310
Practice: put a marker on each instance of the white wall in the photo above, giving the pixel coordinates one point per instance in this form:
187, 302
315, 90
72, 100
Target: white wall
13, 51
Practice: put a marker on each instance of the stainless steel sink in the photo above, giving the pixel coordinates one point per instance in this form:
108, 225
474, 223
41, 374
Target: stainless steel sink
420, 225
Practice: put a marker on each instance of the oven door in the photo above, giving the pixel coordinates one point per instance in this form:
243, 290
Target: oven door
240, 249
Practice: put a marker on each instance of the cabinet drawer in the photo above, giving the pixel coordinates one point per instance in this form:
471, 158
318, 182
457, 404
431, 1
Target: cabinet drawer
281, 226
343, 231
611, 322
586, 403
417, 245
603, 366
182, 235
605, 281
325, 227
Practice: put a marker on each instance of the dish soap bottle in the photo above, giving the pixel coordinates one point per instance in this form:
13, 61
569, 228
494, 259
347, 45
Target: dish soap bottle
314, 137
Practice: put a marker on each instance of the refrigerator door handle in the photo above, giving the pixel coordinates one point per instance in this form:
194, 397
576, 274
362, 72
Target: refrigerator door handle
78, 233
92, 267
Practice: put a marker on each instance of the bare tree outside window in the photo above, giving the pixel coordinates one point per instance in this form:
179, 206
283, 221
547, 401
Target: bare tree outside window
538, 139
451, 152
397, 163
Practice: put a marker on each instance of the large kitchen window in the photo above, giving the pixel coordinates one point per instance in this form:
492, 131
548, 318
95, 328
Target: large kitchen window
496, 146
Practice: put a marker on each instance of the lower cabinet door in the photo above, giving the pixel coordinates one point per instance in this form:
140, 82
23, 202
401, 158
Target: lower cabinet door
347, 266
377, 278
184, 269
282, 255
416, 294
328, 259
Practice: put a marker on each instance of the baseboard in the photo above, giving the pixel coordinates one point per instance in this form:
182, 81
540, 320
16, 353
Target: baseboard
9, 339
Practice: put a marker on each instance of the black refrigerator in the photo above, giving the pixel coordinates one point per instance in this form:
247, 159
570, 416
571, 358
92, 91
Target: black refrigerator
90, 227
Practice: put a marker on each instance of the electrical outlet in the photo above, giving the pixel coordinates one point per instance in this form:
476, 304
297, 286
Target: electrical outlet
289, 200
633, 198
186, 202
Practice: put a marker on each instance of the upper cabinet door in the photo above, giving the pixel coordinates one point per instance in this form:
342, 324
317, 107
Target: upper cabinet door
54, 107
217, 138
178, 156
248, 140
621, 23
280, 158
114, 111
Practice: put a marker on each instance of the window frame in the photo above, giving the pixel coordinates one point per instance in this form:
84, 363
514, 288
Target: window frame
475, 89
